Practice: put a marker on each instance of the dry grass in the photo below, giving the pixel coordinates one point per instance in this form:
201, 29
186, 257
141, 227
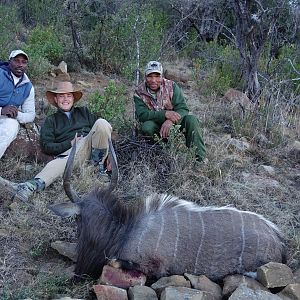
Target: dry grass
29, 267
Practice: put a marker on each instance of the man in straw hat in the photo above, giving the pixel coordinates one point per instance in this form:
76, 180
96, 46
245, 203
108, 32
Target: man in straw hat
17, 104
58, 134
159, 104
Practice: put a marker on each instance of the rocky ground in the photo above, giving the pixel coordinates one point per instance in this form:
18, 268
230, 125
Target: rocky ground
254, 171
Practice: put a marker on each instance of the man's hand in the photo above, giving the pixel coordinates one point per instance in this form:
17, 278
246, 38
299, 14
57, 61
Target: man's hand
165, 129
9, 110
172, 116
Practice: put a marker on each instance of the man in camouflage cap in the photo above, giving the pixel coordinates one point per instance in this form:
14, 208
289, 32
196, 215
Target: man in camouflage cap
159, 104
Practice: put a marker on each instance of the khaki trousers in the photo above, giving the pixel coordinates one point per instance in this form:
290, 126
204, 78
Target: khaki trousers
97, 138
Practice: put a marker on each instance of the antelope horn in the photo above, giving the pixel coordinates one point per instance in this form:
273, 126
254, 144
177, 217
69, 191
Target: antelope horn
114, 165
71, 193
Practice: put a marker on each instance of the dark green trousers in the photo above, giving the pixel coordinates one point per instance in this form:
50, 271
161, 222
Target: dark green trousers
190, 127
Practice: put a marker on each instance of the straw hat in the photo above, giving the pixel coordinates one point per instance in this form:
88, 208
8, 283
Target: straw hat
63, 87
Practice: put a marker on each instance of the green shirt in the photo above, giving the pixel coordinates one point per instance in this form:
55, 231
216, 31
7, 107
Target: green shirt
59, 130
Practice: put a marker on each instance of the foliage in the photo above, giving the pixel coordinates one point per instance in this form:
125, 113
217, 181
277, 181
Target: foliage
43, 12
220, 64
44, 42
112, 42
110, 105
284, 68
9, 33
175, 145
38, 66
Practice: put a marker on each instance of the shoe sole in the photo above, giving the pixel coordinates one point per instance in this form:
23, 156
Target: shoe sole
7, 186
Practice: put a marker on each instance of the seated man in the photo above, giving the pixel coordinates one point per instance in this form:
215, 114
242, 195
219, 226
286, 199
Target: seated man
17, 105
159, 104
58, 134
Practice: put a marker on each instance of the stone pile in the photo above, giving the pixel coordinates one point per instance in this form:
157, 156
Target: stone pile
273, 281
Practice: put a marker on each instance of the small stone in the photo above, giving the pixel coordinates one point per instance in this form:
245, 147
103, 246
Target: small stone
267, 169
121, 278
245, 293
274, 274
66, 249
202, 283
141, 293
176, 293
107, 292
174, 280
291, 291
239, 145
232, 282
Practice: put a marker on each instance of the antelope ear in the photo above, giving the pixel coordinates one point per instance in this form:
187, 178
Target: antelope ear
66, 209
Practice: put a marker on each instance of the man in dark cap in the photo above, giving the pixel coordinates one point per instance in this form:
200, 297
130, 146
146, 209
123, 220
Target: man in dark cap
159, 104
17, 103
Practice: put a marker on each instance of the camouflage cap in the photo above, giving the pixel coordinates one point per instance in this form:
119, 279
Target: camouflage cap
153, 67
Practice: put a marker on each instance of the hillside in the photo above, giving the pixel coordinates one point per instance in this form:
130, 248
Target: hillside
250, 167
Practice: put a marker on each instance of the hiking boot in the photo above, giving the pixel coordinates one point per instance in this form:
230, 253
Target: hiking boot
97, 155
25, 190
20, 191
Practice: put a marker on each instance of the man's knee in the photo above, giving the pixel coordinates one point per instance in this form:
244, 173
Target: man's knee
149, 128
102, 125
190, 120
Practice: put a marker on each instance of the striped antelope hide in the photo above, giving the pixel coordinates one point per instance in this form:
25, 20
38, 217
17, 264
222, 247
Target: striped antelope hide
164, 235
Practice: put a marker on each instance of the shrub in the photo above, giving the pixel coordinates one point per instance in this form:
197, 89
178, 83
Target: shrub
38, 66
221, 66
110, 105
43, 42
8, 32
112, 42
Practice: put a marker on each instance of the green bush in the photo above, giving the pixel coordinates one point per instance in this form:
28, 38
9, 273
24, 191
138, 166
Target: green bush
9, 33
221, 66
38, 66
110, 105
112, 42
44, 42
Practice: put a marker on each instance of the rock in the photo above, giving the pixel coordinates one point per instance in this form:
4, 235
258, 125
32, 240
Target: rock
290, 292
24, 277
239, 102
27, 146
262, 140
176, 293
85, 84
66, 249
259, 181
274, 274
295, 149
239, 145
121, 278
232, 282
175, 76
174, 280
107, 292
63, 67
245, 293
202, 283
297, 276
267, 170
141, 293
